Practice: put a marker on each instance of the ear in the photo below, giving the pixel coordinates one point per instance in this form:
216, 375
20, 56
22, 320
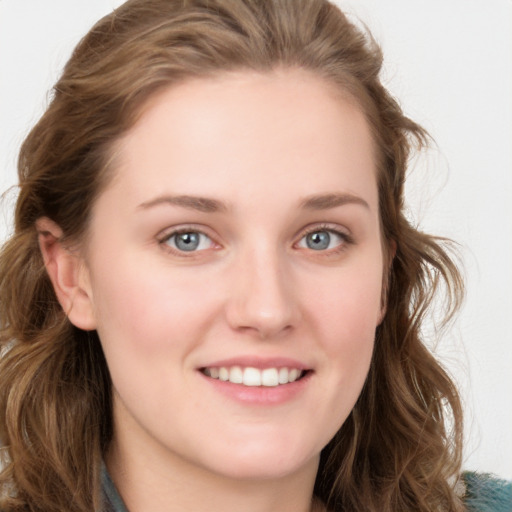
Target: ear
68, 274
389, 255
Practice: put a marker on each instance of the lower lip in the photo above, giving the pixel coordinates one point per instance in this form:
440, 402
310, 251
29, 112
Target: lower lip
259, 395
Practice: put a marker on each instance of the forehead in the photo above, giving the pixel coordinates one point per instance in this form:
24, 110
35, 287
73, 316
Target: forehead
236, 130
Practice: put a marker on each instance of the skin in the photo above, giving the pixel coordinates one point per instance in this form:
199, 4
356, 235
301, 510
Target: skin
261, 145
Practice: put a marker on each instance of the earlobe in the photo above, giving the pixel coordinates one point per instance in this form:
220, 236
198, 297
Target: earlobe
68, 275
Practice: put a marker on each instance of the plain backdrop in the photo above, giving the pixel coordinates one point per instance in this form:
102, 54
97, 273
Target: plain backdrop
450, 65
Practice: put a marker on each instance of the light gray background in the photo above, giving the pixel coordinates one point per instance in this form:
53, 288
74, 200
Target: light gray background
450, 64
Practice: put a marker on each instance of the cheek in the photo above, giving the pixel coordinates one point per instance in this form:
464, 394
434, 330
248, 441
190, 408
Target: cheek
147, 308
150, 319
344, 313
348, 304
343, 319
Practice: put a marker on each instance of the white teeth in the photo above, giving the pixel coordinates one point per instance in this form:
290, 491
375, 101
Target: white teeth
252, 377
293, 375
270, 377
236, 375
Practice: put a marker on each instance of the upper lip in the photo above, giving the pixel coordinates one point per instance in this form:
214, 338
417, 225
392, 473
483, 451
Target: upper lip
258, 362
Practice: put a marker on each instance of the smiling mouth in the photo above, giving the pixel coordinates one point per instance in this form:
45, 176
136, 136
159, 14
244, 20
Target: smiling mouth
253, 377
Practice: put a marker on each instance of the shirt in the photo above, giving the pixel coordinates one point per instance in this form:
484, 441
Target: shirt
483, 493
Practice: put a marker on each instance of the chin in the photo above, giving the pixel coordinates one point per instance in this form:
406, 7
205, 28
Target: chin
263, 462
269, 469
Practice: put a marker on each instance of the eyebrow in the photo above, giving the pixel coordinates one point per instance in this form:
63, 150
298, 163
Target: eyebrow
209, 205
201, 204
327, 201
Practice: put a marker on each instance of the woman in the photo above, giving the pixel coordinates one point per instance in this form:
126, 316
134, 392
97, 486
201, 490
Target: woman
212, 299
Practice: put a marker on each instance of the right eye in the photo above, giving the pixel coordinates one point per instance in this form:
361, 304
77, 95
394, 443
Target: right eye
188, 241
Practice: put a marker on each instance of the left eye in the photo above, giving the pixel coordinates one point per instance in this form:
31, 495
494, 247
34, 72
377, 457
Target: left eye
189, 241
321, 240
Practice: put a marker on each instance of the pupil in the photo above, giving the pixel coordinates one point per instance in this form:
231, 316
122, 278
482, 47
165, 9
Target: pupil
187, 241
319, 240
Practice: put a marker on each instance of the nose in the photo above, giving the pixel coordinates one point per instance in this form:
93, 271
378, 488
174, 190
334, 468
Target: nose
262, 299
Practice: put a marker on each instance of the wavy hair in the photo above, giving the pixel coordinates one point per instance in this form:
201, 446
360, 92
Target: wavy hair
400, 448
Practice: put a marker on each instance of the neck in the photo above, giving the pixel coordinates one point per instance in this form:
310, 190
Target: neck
147, 485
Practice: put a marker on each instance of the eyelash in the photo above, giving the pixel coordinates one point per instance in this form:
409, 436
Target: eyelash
347, 240
163, 241
345, 237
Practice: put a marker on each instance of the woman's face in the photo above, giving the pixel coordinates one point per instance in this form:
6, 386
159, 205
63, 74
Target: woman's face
239, 240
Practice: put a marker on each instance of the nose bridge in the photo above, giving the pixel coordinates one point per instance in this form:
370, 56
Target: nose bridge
262, 297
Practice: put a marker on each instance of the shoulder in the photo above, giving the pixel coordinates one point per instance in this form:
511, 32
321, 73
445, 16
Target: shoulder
486, 493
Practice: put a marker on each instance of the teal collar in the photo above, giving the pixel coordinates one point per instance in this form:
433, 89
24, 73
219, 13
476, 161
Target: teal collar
112, 502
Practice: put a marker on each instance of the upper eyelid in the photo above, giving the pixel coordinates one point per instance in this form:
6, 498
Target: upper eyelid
313, 228
343, 233
167, 233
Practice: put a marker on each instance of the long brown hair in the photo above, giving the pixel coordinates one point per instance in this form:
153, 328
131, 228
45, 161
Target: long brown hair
400, 448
